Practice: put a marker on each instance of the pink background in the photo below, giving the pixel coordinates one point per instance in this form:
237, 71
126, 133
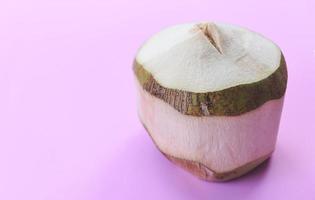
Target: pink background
68, 123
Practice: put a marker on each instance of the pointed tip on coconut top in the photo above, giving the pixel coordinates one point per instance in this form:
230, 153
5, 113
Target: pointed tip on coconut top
207, 57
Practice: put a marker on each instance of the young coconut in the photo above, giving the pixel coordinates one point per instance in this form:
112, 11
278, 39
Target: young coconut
210, 96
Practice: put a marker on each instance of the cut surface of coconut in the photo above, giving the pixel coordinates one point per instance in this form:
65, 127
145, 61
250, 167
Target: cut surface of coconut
207, 57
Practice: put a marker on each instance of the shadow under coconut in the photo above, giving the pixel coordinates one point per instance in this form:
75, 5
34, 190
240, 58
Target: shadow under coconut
140, 171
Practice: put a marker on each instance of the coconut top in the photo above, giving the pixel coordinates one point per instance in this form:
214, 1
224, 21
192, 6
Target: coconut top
208, 57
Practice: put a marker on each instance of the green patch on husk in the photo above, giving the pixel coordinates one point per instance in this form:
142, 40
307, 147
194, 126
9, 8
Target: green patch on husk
228, 102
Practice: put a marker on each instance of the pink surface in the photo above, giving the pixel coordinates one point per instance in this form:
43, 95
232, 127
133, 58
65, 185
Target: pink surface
225, 149
68, 122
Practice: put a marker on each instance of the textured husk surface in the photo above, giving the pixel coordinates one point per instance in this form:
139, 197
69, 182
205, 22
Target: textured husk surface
202, 171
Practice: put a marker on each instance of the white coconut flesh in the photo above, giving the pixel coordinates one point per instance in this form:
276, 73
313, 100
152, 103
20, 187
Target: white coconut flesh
208, 57
183, 57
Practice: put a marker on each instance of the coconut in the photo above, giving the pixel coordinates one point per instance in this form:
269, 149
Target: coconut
211, 96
